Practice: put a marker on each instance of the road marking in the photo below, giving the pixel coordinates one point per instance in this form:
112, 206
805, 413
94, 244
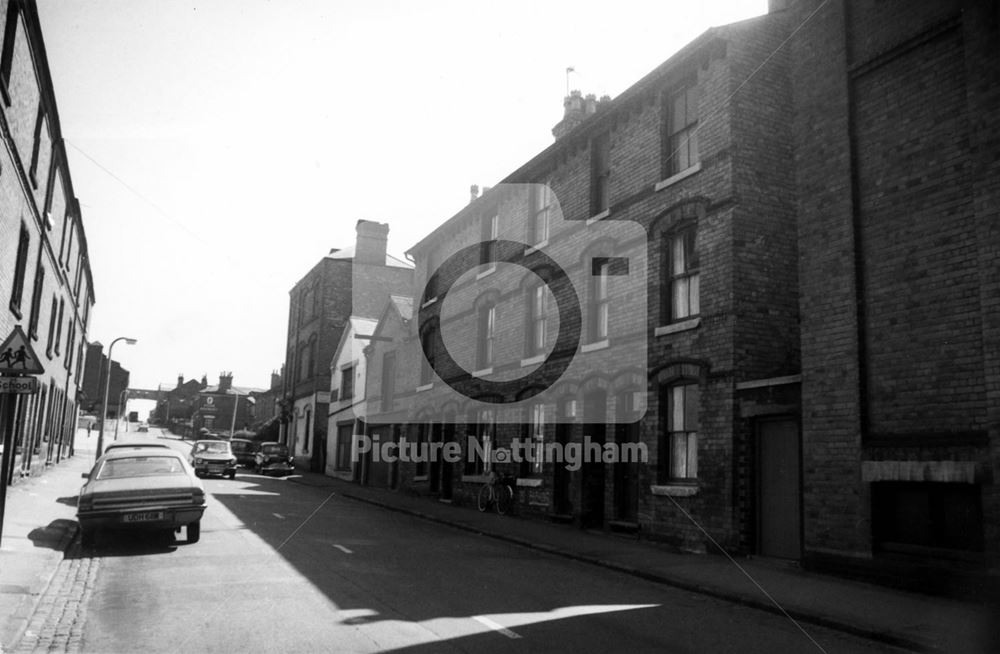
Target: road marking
343, 549
495, 626
278, 516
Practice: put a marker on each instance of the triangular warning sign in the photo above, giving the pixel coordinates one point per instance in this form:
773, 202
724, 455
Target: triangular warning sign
17, 356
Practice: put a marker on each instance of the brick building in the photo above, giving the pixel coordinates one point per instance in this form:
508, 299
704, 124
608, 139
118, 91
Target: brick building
95, 371
223, 408
320, 305
700, 158
45, 277
175, 406
819, 190
896, 128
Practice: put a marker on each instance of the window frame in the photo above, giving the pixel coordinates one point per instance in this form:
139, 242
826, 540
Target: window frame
537, 313
670, 470
540, 213
387, 390
346, 383
684, 138
599, 318
490, 232
20, 271
689, 276
486, 335
600, 174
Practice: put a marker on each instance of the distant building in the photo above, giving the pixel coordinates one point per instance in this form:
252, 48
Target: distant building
223, 408
176, 405
320, 306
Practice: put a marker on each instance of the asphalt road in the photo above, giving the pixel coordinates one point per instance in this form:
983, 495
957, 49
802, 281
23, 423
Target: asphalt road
285, 567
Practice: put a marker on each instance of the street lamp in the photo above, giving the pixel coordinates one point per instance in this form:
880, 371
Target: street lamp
107, 383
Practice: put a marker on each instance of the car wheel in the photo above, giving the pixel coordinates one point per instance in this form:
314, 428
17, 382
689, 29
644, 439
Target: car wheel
194, 532
88, 537
232, 475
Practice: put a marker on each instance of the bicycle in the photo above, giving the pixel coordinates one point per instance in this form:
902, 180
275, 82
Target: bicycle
497, 491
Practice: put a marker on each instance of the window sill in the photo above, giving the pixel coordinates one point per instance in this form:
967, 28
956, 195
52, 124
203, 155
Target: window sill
483, 372
429, 302
532, 361
677, 327
421, 477
599, 217
486, 273
425, 387
531, 249
593, 347
674, 490
15, 312
533, 482
474, 479
673, 179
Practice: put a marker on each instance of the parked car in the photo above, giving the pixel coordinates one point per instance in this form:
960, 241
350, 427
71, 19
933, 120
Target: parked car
140, 488
143, 427
245, 451
273, 457
213, 458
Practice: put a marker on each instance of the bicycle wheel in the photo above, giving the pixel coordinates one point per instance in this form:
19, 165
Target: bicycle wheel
505, 498
485, 496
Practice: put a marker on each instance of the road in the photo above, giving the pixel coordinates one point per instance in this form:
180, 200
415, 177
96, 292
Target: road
286, 567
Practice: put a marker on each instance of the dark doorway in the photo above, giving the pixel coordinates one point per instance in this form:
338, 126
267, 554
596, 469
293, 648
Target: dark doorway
779, 518
446, 472
561, 504
435, 437
592, 479
626, 472
378, 471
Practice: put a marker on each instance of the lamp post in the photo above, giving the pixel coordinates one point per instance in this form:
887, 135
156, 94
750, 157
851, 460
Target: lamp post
107, 384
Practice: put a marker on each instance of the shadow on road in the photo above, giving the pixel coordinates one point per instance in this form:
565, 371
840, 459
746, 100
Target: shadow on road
404, 575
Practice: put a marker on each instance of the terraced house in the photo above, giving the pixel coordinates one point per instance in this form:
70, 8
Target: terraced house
45, 278
817, 189
696, 158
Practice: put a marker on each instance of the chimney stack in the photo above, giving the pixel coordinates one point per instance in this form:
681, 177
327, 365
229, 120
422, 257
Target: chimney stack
180, 380
473, 193
577, 109
225, 381
371, 243
275, 380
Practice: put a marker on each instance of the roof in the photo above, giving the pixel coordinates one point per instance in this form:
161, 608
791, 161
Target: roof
623, 103
348, 253
233, 390
363, 326
404, 305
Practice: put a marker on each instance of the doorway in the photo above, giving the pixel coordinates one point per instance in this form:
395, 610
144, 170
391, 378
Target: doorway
779, 491
592, 479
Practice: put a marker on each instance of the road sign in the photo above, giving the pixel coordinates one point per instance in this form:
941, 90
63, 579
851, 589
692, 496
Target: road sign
17, 356
24, 385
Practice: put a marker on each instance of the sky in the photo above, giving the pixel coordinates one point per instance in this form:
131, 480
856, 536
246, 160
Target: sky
220, 149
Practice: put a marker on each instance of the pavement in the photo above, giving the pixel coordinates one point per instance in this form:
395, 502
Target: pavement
40, 525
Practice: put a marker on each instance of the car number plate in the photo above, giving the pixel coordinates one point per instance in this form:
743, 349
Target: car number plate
145, 516
216, 468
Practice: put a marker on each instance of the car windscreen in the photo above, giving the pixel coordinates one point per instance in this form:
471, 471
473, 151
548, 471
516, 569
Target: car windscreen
275, 449
214, 447
140, 466
239, 446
